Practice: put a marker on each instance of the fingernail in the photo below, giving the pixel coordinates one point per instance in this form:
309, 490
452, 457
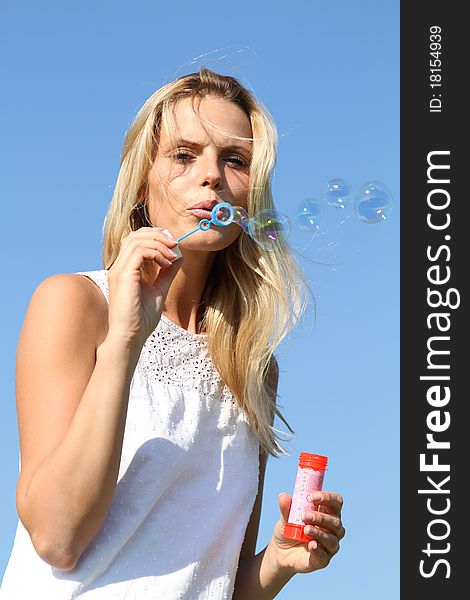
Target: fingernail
316, 496
168, 235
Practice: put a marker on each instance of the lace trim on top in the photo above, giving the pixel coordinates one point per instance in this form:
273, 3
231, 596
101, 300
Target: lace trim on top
175, 356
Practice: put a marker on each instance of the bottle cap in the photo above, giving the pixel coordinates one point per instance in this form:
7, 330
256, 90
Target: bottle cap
313, 461
296, 533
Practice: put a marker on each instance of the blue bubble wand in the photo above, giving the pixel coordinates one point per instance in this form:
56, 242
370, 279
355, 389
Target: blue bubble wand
266, 228
226, 218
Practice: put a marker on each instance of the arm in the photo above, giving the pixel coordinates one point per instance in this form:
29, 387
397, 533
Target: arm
262, 576
75, 362
257, 575
71, 417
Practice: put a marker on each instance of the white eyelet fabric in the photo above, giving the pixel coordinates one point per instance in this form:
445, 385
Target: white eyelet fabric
187, 482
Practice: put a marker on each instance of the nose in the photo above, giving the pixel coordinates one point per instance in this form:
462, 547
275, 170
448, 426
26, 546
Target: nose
211, 173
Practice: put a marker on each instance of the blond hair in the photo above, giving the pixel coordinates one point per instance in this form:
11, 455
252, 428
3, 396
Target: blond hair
253, 297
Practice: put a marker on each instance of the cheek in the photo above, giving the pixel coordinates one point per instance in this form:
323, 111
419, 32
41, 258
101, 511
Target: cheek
165, 174
164, 191
241, 187
159, 179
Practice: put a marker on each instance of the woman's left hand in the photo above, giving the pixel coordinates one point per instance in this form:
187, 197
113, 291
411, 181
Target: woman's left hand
323, 526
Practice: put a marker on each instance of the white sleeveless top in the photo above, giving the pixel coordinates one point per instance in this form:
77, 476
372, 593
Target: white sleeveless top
187, 482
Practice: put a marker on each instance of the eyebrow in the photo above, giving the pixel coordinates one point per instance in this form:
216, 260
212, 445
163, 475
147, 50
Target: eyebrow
182, 142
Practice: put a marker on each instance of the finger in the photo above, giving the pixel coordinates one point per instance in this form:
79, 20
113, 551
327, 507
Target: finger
167, 252
148, 249
132, 259
330, 502
326, 521
144, 234
152, 233
158, 233
158, 245
169, 246
320, 556
329, 541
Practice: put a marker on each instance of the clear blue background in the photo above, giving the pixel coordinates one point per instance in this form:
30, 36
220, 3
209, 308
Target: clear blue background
74, 75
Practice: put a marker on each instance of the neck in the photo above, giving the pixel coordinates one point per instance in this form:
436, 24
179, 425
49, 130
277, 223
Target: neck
185, 293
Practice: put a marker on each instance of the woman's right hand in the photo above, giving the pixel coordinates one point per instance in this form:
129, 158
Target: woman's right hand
136, 302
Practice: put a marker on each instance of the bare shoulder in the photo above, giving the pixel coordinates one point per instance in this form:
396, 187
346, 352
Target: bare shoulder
72, 301
73, 290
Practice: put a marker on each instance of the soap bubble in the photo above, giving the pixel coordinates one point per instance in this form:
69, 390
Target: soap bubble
241, 217
269, 227
308, 215
337, 193
373, 202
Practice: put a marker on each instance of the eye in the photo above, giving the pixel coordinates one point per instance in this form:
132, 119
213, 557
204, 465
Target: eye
182, 156
240, 162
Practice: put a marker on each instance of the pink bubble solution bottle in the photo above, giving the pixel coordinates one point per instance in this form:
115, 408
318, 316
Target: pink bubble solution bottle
309, 479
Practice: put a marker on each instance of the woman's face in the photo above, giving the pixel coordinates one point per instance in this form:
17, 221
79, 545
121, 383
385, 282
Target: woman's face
206, 165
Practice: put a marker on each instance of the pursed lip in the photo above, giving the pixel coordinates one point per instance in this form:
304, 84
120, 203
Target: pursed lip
201, 213
205, 205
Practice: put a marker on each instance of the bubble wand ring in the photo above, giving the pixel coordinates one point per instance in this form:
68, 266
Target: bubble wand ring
204, 224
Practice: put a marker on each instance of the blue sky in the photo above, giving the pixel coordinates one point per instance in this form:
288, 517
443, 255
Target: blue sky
75, 74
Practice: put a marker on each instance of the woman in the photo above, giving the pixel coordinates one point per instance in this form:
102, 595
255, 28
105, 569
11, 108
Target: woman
146, 392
